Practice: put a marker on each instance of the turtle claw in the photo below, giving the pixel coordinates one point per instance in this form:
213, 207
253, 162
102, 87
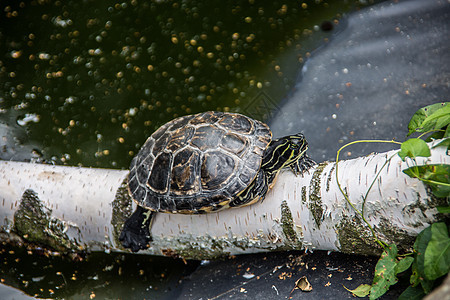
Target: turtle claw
135, 234
134, 241
303, 165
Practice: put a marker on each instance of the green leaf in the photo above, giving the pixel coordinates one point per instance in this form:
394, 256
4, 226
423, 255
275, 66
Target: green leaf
404, 264
385, 272
441, 191
429, 118
436, 176
418, 267
413, 148
437, 253
361, 291
427, 285
420, 245
418, 281
412, 293
443, 209
437, 120
415, 277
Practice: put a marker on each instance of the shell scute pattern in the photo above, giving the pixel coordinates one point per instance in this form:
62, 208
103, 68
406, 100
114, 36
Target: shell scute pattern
217, 170
180, 137
234, 143
209, 117
184, 172
198, 163
142, 173
160, 170
182, 121
237, 123
159, 144
140, 193
246, 176
207, 137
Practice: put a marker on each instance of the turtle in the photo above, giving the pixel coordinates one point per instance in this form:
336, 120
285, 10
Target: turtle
204, 163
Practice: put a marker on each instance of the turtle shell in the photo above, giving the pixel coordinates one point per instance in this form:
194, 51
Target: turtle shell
198, 163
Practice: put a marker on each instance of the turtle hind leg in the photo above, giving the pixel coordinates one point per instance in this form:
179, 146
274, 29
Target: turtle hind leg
302, 165
136, 230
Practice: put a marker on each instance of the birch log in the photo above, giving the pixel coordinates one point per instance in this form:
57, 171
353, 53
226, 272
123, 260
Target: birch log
83, 209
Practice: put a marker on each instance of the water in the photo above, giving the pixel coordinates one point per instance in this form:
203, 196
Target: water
86, 82
44, 274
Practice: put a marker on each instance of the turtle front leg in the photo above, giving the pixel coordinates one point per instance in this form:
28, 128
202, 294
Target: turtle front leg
302, 165
136, 230
256, 191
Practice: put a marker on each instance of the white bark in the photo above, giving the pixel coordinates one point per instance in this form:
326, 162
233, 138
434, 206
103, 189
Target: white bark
299, 212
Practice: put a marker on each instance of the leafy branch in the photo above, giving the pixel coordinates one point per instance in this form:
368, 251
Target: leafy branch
431, 259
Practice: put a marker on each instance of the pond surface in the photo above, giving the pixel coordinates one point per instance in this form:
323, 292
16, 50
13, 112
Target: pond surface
86, 82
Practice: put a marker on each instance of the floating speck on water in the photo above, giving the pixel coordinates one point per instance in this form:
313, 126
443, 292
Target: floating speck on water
70, 100
58, 21
16, 54
37, 279
28, 118
30, 96
132, 111
108, 268
44, 56
248, 275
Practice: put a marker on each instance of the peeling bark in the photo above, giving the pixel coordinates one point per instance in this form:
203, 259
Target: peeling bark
77, 209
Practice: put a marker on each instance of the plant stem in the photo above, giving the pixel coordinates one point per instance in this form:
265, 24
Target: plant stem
361, 213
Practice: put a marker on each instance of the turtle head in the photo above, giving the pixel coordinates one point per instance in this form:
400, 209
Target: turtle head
295, 148
284, 152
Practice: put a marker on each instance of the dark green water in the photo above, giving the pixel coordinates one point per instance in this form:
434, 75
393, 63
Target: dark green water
86, 82
98, 77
